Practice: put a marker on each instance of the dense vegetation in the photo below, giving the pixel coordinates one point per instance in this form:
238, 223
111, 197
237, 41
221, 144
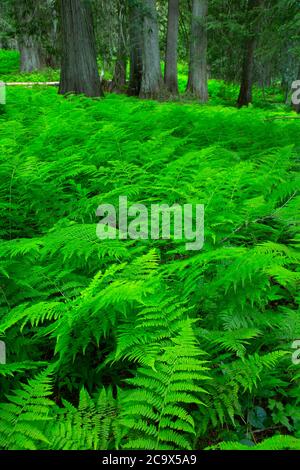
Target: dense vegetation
113, 344
141, 344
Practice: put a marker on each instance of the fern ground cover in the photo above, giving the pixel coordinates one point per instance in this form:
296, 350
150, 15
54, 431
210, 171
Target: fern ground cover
141, 344
220, 92
9, 62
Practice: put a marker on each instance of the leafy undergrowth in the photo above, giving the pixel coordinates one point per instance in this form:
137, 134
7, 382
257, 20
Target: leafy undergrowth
220, 92
226, 94
45, 75
9, 62
10, 66
140, 343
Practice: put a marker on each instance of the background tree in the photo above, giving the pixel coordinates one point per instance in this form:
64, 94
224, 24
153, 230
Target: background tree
171, 72
119, 31
152, 85
136, 52
7, 26
79, 70
119, 79
197, 82
105, 20
245, 95
28, 14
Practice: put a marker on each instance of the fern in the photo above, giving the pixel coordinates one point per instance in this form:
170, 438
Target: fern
22, 419
110, 313
155, 412
88, 427
273, 443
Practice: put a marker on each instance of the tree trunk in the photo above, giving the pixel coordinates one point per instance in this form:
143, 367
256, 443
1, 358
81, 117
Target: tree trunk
53, 52
171, 73
245, 95
79, 71
28, 34
136, 53
152, 81
31, 57
197, 82
119, 79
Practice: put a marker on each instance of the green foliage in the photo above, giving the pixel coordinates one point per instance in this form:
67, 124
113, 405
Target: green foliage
273, 443
136, 319
156, 412
225, 93
9, 62
220, 92
88, 427
23, 417
45, 75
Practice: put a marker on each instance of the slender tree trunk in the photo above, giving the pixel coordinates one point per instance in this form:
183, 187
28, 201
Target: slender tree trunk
197, 82
28, 34
152, 81
79, 71
171, 73
119, 79
136, 52
53, 52
245, 95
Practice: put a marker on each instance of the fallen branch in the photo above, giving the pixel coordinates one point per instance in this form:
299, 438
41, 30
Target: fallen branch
32, 83
107, 84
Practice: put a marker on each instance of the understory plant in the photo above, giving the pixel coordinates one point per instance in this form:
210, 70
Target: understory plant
138, 344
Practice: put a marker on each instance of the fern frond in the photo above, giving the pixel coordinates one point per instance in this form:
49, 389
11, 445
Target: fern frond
22, 419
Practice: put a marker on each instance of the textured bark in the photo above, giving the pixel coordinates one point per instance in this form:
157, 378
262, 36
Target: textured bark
136, 53
29, 44
152, 81
79, 71
31, 57
197, 82
245, 95
119, 79
53, 52
171, 72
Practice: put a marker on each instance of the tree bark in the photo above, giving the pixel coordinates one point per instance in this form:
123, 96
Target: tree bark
53, 52
136, 53
119, 79
31, 57
171, 72
27, 14
152, 85
245, 95
197, 82
79, 71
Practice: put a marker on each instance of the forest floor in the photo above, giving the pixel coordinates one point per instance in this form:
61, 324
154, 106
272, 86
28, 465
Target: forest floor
62, 157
